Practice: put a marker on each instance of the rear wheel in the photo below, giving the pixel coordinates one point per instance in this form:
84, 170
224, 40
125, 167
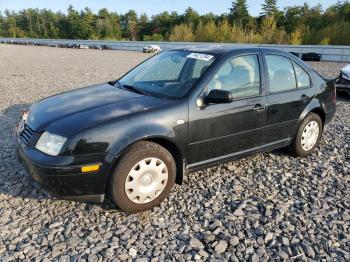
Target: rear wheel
308, 136
144, 176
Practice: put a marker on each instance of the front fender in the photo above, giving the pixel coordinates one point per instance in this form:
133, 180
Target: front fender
129, 137
170, 123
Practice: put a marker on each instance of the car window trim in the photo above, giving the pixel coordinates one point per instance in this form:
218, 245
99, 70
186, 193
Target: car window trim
295, 74
260, 76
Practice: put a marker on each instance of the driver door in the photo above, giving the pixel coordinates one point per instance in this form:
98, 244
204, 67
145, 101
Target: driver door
219, 131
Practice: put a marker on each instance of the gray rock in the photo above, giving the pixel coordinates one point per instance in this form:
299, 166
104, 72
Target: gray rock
283, 255
309, 251
132, 252
234, 241
196, 244
221, 246
56, 224
268, 237
57, 248
285, 241
203, 253
254, 258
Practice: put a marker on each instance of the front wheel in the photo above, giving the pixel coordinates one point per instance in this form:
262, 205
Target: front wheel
308, 136
144, 176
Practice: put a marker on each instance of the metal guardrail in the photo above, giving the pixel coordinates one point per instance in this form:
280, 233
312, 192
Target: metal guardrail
328, 53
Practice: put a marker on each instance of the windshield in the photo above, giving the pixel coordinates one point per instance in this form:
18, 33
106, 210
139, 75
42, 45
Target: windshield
170, 74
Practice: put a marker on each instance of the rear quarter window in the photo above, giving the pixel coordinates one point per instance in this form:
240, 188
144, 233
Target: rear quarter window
303, 77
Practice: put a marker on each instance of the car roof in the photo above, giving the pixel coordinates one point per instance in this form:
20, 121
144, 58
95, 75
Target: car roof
224, 49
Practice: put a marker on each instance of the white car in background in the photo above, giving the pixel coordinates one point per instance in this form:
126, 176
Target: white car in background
152, 49
343, 81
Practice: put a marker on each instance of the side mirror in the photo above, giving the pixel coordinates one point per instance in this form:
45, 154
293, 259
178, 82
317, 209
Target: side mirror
219, 96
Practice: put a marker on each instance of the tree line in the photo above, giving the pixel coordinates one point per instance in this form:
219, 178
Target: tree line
300, 24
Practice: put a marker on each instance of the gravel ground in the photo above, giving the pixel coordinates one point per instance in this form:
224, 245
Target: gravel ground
265, 207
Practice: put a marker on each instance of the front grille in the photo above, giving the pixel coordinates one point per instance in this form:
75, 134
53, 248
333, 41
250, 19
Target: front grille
27, 134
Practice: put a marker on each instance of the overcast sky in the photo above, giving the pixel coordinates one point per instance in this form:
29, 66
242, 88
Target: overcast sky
150, 6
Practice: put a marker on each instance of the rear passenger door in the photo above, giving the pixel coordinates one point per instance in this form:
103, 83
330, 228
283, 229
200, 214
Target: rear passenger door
290, 91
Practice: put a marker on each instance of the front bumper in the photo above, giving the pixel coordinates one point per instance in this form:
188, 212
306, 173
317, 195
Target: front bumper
65, 179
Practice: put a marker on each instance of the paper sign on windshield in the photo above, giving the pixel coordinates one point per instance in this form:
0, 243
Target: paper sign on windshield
199, 56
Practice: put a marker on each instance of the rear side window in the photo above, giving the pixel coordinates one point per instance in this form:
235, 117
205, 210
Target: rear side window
281, 73
303, 78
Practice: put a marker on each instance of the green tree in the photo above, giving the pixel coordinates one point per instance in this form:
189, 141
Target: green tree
87, 24
294, 25
296, 37
107, 25
10, 25
2, 22
144, 26
128, 24
182, 33
270, 8
206, 32
191, 17
239, 12
162, 23
72, 23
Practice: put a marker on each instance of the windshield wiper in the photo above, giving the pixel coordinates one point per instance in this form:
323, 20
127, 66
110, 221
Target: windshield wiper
134, 89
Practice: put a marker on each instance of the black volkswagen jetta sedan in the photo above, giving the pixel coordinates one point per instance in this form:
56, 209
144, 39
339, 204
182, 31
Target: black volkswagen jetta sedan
176, 112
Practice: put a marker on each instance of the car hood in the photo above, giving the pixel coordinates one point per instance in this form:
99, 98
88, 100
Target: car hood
79, 109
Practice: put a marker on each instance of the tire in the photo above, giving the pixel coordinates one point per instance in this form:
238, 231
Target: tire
143, 178
305, 141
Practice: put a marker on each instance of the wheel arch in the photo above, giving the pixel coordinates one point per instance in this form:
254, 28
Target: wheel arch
320, 112
296, 147
175, 152
314, 107
164, 142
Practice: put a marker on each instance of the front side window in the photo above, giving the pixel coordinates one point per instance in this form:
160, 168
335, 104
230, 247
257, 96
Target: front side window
170, 74
303, 78
239, 75
281, 73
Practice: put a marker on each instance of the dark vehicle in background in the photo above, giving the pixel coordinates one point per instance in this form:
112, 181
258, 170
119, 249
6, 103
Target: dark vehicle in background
178, 111
311, 57
295, 54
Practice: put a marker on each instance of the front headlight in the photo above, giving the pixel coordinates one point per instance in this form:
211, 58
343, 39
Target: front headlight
50, 144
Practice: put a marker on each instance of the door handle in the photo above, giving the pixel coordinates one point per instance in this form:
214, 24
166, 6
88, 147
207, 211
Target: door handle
304, 98
259, 108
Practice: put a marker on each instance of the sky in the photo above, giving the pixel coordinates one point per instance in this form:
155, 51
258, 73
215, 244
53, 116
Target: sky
150, 7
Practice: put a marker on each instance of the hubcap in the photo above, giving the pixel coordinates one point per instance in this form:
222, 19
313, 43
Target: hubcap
310, 135
146, 180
